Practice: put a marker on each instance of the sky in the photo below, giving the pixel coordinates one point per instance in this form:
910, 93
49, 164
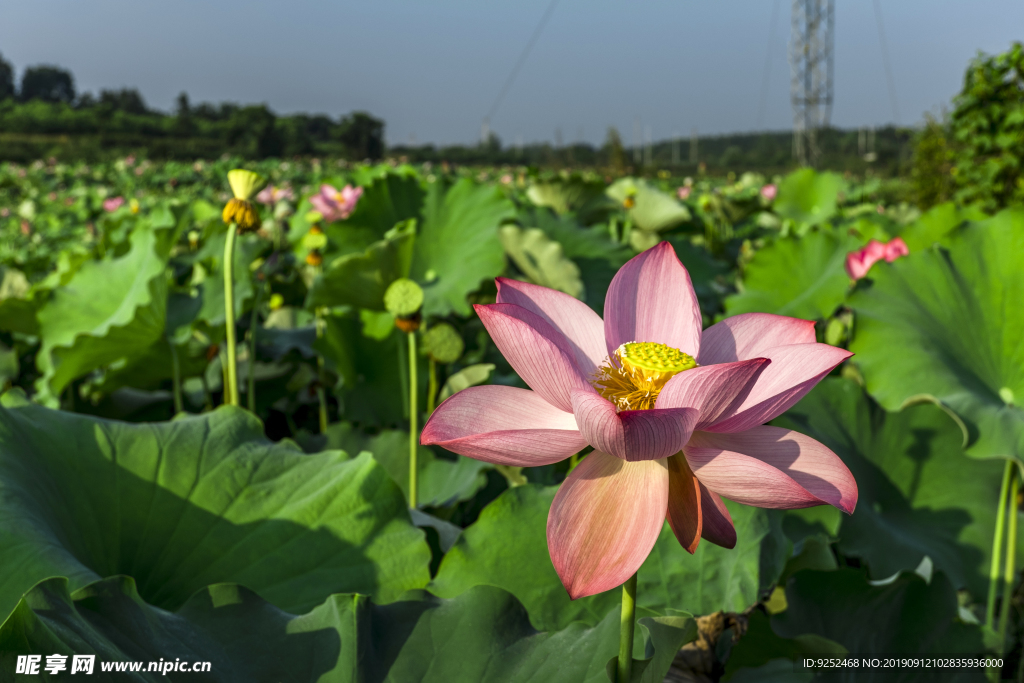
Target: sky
433, 70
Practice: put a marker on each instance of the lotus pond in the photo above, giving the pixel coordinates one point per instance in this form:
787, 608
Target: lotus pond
373, 428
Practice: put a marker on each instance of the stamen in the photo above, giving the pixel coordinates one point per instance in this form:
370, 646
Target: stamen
634, 375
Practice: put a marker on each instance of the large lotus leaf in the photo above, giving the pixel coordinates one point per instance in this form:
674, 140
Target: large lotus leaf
483, 635
541, 259
198, 500
652, 210
385, 202
585, 199
802, 277
441, 482
935, 225
909, 616
918, 494
373, 390
577, 241
247, 248
762, 656
458, 247
17, 309
110, 309
808, 197
946, 326
361, 278
507, 547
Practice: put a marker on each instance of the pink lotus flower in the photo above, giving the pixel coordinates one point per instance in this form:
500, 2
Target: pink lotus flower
684, 192
271, 195
769, 191
336, 205
674, 415
112, 204
859, 262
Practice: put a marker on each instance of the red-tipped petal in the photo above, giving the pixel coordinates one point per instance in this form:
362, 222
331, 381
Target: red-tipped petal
684, 503
632, 434
576, 321
746, 336
771, 467
713, 390
651, 299
716, 522
794, 371
503, 425
538, 352
605, 520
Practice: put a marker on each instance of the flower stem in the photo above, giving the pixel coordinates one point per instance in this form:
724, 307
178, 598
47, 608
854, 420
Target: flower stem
997, 546
626, 626
231, 373
321, 393
412, 419
175, 378
432, 387
1011, 556
253, 321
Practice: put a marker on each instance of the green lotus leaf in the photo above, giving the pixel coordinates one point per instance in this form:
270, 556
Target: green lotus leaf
946, 325
710, 580
541, 259
808, 197
652, 209
918, 494
109, 310
907, 616
361, 278
199, 500
458, 247
483, 635
441, 481
801, 277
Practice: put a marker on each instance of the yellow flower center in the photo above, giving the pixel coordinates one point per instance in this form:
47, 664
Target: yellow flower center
635, 374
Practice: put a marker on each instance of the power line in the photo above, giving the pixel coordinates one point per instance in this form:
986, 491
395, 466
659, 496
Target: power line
522, 59
767, 65
885, 60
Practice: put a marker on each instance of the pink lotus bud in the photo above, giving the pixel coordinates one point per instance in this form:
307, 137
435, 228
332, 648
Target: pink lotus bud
684, 192
113, 204
769, 191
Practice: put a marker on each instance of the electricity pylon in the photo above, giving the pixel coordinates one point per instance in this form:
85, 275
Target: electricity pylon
810, 62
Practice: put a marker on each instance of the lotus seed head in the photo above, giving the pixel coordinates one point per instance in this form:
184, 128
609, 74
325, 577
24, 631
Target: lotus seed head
403, 298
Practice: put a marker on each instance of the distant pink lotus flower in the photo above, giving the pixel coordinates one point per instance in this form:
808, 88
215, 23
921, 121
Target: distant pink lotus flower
113, 204
859, 262
769, 191
336, 205
675, 416
271, 195
684, 192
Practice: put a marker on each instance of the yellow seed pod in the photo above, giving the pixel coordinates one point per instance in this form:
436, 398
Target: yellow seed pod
314, 258
655, 357
242, 213
245, 184
276, 301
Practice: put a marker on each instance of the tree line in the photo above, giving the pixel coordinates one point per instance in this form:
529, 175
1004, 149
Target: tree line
46, 115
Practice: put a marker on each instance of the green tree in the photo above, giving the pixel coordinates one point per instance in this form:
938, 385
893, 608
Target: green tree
988, 126
127, 100
48, 83
6, 79
933, 163
252, 131
362, 135
615, 152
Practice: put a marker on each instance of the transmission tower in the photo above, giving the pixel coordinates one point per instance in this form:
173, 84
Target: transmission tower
810, 61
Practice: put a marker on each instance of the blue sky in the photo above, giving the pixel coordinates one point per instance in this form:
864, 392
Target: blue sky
433, 69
